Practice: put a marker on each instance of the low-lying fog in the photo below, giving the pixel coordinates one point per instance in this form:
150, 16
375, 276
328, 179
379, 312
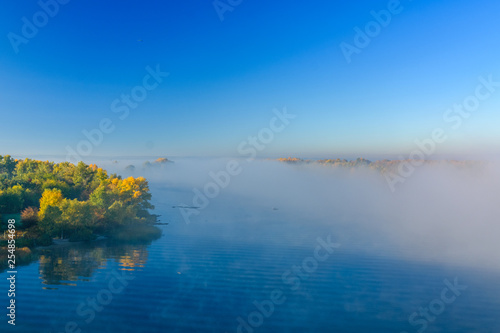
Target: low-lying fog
439, 213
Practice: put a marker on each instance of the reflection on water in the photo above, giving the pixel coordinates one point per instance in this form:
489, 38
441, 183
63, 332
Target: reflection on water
68, 264
202, 284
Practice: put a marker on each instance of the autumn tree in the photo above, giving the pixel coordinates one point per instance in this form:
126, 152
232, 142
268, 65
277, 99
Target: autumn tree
70, 200
50, 197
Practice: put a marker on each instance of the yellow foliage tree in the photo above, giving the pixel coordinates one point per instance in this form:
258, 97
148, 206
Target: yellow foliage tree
50, 197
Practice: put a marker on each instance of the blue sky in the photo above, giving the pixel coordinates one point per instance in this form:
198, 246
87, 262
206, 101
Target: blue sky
226, 77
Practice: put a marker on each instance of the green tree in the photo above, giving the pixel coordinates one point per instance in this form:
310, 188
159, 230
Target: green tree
50, 224
7, 165
11, 200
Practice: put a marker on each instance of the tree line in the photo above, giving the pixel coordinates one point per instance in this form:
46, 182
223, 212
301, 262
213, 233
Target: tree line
70, 201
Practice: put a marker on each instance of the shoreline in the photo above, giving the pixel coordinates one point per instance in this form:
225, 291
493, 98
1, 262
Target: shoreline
58, 243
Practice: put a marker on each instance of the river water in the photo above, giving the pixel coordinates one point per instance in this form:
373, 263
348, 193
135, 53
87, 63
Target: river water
247, 271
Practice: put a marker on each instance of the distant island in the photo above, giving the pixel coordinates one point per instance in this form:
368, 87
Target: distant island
383, 166
74, 202
159, 162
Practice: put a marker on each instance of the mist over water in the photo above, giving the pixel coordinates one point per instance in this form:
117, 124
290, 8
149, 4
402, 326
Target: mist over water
212, 270
440, 213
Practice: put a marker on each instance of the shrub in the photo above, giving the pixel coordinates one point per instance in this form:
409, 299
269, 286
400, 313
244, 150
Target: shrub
43, 240
82, 235
24, 242
29, 217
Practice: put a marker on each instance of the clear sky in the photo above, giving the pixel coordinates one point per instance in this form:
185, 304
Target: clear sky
226, 76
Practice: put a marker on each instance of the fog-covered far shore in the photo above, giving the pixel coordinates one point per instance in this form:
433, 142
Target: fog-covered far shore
440, 212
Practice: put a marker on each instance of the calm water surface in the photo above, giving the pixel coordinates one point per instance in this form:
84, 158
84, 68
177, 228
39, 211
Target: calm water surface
205, 281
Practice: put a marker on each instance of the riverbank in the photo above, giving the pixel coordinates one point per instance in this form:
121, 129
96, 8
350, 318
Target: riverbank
57, 243
134, 234
23, 256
